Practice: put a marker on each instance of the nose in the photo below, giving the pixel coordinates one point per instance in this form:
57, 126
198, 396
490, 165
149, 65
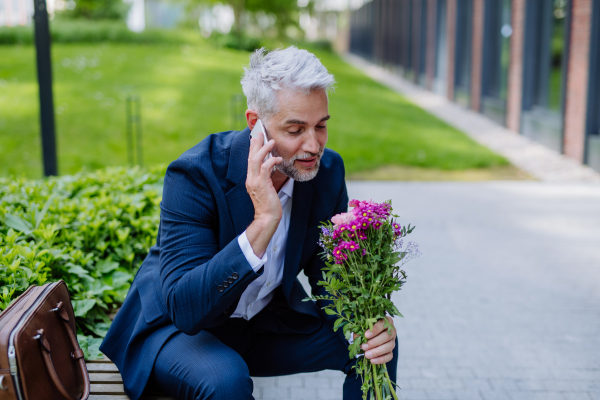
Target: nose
311, 144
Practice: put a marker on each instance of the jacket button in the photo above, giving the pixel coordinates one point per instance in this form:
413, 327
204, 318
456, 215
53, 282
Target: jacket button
220, 288
235, 275
230, 280
225, 284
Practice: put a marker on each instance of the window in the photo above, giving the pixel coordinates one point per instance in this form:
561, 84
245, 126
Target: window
592, 156
462, 71
496, 57
423, 44
545, 56
441, 47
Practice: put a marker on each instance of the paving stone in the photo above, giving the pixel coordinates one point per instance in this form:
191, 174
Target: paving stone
467, 394
447, 383
577, 396
594, 395
330, 394
460, 373
303, 393
440, 394
494, 395
477, 383
275, 393
413, 394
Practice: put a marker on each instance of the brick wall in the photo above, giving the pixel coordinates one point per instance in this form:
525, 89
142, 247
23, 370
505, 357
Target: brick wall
577, 79
515, 69
477, 54
431, 13
451, 34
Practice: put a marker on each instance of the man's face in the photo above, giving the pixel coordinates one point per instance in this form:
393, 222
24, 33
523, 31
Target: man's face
300, 132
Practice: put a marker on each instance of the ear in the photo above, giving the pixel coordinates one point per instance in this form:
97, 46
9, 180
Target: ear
251, 118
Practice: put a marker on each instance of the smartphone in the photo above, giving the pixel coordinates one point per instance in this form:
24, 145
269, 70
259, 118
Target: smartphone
259, 129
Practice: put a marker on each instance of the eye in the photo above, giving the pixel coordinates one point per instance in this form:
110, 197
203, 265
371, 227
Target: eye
321, 126
298, 131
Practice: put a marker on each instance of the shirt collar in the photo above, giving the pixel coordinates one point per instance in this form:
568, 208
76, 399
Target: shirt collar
288, 188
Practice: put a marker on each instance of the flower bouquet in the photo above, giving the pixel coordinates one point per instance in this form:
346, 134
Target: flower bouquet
363, 253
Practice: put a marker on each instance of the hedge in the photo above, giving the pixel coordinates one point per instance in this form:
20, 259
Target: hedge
78, 31
92, 229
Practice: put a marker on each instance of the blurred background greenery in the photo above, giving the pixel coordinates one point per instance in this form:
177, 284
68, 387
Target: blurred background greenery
186, 69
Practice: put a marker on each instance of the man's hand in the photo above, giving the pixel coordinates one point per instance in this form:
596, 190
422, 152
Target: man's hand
380, 344
267, 206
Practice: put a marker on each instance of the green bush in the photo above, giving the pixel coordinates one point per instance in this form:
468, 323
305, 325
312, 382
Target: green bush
236, 42
81, 31
92, 229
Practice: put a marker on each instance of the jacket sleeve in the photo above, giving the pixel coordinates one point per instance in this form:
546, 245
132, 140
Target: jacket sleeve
315, 264
193, 270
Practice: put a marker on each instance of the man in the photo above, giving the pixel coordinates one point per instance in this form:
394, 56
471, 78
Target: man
217, 299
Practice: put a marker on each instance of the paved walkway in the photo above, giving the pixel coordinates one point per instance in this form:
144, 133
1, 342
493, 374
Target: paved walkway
539, 161
504, 303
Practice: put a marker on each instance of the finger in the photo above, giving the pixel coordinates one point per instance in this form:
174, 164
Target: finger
267, 167
378, 340
253, 166
377, 328
380, 350
386, 358
262, 152
384, 336
255, 145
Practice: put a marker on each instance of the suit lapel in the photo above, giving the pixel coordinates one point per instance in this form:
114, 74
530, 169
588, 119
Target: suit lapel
301, 205
239, 203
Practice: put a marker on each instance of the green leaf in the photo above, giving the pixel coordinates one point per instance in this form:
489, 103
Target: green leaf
329, 311
80, 272
39, 217
105, 266
18, 223
81, 307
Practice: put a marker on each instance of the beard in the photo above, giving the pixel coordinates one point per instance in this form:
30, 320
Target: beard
287, 167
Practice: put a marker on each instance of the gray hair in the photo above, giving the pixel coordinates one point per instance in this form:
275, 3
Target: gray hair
291, 68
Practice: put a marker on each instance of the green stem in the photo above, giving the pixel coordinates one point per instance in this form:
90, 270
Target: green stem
392, 387
374, 375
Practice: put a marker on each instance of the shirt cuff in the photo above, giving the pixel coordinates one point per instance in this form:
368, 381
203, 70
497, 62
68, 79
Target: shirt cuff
252, 259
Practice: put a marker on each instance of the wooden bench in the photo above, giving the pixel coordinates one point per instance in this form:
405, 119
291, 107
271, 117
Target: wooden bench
107, 384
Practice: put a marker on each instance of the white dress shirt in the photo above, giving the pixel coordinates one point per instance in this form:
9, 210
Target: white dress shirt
258, 293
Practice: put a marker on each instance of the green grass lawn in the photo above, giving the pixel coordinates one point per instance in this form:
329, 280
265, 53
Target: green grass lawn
185, 92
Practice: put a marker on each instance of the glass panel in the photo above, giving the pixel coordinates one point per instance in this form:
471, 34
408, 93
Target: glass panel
441, 48
423, 45
496, 57
557, 46
464, 24
544, 67
593, 112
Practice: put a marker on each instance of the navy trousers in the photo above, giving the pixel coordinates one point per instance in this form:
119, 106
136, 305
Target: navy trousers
216, 364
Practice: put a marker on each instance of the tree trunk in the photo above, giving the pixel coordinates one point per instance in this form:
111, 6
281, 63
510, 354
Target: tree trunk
238, 8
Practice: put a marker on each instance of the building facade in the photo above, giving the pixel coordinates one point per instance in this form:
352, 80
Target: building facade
531, 65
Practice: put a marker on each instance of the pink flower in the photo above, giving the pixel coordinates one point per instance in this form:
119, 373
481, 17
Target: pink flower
341, 219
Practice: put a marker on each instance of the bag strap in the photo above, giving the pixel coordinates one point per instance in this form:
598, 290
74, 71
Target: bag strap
77, 354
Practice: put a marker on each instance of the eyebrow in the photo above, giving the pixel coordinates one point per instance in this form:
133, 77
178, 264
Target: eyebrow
298, 122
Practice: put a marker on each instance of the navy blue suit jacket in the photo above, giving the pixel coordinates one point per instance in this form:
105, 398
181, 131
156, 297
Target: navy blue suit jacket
205, 207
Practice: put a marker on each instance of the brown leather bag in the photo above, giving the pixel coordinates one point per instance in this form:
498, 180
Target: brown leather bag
39, 355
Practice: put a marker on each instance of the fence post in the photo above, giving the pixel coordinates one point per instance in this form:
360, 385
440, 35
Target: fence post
44, 70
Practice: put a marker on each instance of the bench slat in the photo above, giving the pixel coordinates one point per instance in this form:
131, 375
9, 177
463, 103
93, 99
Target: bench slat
107, 383
96, 377
107, 388
102, 367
